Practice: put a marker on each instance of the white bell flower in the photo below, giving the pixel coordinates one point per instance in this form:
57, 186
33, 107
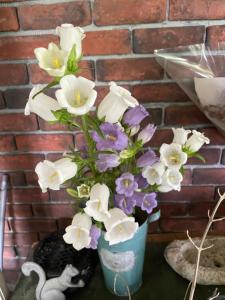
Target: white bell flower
78, 233
180, 135
77, 94
172, 156
119, 227
42, 105
70, 35
53, 174
53, 60
97, 206
196, 141
153, 174
115, 103
171, 180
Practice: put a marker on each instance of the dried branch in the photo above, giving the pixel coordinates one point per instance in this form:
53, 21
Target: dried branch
201, 247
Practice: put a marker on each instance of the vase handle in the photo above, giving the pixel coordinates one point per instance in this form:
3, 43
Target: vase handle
154, 217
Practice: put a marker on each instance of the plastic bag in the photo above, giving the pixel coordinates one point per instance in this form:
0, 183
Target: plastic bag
200, 72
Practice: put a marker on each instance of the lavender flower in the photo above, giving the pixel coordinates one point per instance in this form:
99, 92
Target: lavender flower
126, 184
115, 138
125, 203
107, 161
149, 202
146, 134
135, 115
95, 233
141, 181
147, 159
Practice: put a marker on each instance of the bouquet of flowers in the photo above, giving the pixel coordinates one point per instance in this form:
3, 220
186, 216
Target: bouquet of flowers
116, 174
200, 71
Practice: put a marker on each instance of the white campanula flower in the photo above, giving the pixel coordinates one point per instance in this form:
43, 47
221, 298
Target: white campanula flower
77, 94
153, 173
196, 141
180, 135
119, 227
134, 130
42, 105
171, 180
70, 36
78, 233
53, 174
53, 60
115, 103
97, 206
171, 155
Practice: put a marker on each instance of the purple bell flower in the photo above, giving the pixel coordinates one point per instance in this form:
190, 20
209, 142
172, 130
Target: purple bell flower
127, 204
135, 115
149, 202
147, 159
114, 138
95, 233
141, 181
147, 133
107, 161
126, 184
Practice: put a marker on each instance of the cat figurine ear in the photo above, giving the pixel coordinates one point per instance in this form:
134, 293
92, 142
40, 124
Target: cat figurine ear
52, 289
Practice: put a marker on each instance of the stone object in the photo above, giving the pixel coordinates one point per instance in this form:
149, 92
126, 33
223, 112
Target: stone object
181, 256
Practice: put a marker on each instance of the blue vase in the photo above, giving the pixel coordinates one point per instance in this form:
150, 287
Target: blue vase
122, 263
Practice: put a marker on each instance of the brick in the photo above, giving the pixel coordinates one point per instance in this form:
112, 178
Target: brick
216, 138
211, 156
184, 115
13, 263
33, 225
8, 19
24, 46
49, 16
196, 10
187, 177
80, 141
2, 101
16, 98
173, 209
200, 209
13, 74
107, 42
7, 143
116, 12
182, 225
209, 176
31, 178
60, 195
17, 122
9, 252
28, 195
54, 156
44, 142
53, 210
219, 227
63, 222
6, 226
20, 238
128, 69
15, 178
215, 35
51, 127
155, 117
23, 251
38, 75
189, 194
160, 137
19, 210
147, 40
19, 161
159, 92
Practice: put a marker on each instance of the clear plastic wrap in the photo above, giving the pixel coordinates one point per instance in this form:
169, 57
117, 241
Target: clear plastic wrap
200, 72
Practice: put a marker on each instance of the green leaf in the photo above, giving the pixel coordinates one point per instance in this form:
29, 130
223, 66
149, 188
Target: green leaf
72, 193
94, 124
199, 156
64, 117
72, 66
51, 84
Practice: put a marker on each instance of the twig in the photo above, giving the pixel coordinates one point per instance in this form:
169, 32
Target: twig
201, 248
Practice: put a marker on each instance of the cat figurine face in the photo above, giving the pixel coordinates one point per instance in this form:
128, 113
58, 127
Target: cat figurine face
69, 271
118, 262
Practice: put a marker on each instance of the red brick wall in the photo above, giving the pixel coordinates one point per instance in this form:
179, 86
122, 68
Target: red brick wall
121, 37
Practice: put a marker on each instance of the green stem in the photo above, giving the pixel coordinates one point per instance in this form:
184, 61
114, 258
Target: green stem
88, 141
